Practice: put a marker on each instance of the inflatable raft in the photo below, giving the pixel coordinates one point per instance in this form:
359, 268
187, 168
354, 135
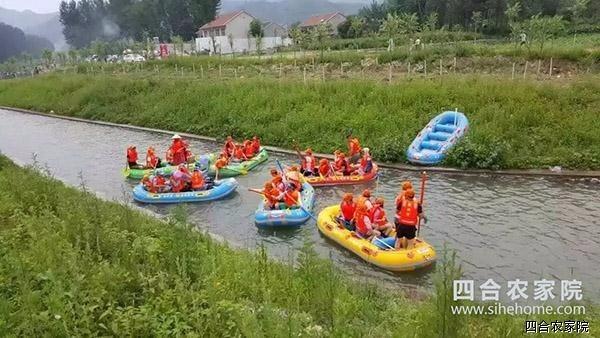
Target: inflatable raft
381, 254
441, 133
233, 169
221, 189
318, 181
288, 217
165, 169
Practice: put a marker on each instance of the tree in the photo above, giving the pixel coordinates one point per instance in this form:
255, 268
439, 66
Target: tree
373, 15
409, 23
321, 34
578, 10
178, 44
47, 57
73, 56
230, 40
357, 25
542, 28
478, 21
431, 23
256, 31
297, 36
391, 26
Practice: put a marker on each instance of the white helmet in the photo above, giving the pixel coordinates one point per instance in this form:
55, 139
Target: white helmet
176, 136
365, 150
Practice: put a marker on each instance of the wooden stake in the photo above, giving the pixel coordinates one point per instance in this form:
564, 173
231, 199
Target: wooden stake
409, 69
550, 72
220, 71
440, 67
537, 72
323, 71
280, 71
201, 71
525, 70
425, 68
304, 74
454, 66
194, 68
390, 74
341, 69
235, 73
513, 72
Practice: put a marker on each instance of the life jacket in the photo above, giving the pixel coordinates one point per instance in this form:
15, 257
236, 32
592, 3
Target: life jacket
239, 153
364, 203
354, 146
377, 215
197, 180
324, 169
256, 145
132, 155
272, 196
348, 210
308, 163
229, 148
147, 183
409, 213
158, 181
177, 185
249, 150
291, 198
399, 200
366, 164
341, 164
221, 163
178, 152
151, 160
362, 220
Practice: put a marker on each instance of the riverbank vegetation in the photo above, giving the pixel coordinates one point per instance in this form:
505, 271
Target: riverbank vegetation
514, 124
103, 269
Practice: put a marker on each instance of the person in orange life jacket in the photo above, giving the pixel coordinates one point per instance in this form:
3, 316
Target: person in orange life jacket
366, 163
229, 147
180, 178
248, 149
159, 183
308, 167
132, 157
197, 180
277, 182
238, 154
291, 198
272, 196
221, 162
364, 226
406, 185
347, 212
325, 168
353, 149
256, 144
148, 184
365, 199
380, 221
152, 161
407, 219
341, 165
294, 177
177, 153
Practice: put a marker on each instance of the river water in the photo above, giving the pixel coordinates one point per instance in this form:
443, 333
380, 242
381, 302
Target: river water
501, 227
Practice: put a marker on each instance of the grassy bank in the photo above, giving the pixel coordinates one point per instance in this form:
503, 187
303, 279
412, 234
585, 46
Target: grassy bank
104, 269
514, 124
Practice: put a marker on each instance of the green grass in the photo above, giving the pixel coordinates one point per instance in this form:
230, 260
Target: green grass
514, 124
102, 269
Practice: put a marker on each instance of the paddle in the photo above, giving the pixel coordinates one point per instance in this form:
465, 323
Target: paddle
299, 204
421, 197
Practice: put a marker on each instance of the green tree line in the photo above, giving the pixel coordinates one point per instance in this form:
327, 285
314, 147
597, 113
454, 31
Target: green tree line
85, 21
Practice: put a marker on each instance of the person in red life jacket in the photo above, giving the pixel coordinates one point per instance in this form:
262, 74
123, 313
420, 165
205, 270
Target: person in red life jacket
272, 196
325, 168
347, 212
229, 147
308, 167
152, 161
159, 183
379, 219
365, 200
366, 163
132, 157
238, 154
180, 179
248, 149
291, 198
197, 181
256, 144
364, 226
407, 220
148, 184
341, 165
177, 151
406, 185
277, 182
353, 149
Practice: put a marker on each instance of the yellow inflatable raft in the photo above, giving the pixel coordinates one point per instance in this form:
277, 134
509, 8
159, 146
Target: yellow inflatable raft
418, 257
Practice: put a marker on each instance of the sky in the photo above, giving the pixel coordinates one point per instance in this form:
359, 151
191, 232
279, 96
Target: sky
39, 6
49, 6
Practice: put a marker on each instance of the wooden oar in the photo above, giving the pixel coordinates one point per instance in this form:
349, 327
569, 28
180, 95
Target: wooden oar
421, 197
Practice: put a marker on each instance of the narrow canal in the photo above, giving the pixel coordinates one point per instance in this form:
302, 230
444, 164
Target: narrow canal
501, 227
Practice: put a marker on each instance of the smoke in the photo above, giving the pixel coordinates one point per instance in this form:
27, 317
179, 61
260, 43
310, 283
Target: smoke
109, 28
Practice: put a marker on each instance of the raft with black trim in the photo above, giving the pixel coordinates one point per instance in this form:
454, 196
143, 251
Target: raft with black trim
234, 168
221, 189
267, 218
319, 181
381, 254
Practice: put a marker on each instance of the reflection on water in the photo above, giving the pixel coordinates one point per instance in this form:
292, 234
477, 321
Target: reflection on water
501, 227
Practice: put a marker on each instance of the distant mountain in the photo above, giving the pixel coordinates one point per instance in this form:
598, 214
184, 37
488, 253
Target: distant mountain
45, 25
289, 11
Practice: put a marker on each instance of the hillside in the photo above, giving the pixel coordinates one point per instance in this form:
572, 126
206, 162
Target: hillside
44, 25
289, 11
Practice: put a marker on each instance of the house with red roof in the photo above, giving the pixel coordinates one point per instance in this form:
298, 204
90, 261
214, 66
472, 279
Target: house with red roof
332, 20
235, 24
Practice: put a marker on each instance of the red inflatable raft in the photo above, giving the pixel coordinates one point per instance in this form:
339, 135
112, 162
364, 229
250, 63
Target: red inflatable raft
318, 181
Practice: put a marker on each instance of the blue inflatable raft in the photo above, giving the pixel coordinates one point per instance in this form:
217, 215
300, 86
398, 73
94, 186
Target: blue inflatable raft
441, 133
221, 189
288, 217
